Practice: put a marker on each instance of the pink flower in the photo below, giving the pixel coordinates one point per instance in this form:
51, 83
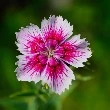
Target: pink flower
46, 52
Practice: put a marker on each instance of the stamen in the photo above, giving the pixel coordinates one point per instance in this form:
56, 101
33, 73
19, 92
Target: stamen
50, 53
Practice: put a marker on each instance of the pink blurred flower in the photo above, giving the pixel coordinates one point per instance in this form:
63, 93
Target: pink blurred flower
46, 52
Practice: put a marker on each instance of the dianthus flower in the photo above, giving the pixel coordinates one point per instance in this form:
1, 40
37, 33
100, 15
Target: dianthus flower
46, 51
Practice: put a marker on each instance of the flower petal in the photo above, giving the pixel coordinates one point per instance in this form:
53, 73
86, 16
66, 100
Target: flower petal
29, 40
30, 67
57, 75
74, 51
55, 28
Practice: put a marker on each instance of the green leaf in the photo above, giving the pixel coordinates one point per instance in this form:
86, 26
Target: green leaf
23, 93
83, 78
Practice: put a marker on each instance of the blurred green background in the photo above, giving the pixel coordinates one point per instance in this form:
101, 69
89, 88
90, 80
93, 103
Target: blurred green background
91, 90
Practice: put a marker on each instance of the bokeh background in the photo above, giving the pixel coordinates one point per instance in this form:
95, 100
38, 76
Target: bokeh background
91, 90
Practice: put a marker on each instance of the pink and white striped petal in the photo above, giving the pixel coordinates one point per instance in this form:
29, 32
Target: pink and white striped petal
30, 67
55, 28
74, 51
57, 75
29, 40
